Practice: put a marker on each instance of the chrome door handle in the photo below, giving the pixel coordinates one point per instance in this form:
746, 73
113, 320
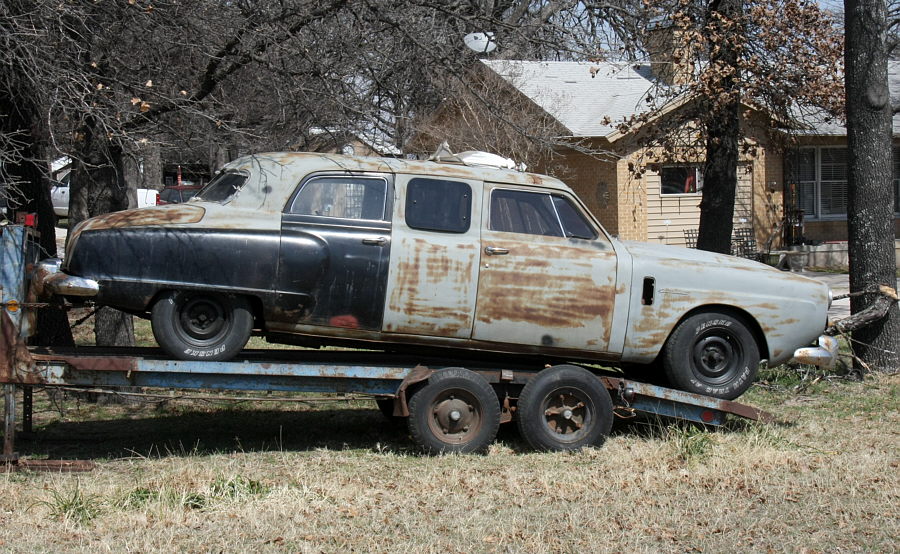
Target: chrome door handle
494, 251
380, 241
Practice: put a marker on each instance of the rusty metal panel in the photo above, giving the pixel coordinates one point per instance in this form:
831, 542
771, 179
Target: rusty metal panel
14, 263
15, 360
433, 276
679, 404
556, 292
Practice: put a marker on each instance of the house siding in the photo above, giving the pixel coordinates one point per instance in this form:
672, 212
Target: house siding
669, 216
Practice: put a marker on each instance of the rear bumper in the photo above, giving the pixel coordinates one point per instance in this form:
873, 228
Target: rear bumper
823, 355
49, 280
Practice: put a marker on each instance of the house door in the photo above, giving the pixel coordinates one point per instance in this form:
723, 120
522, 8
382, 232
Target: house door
547, 278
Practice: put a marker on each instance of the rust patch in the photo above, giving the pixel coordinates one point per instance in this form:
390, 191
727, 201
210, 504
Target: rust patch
432, 288
16, 363
568, 296
100, 363
146, 217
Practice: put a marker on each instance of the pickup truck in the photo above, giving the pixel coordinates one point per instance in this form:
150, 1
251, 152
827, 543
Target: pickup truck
59, 197
456, 255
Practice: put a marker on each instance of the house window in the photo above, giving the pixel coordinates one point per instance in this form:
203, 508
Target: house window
820, 176
681, 179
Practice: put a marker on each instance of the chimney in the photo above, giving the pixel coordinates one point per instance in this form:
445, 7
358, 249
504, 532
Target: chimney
671, 60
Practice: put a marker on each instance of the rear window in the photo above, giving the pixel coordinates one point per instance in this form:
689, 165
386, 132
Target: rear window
438, 205
223, 187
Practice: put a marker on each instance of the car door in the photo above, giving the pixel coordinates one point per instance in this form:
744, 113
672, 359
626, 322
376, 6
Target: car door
434, 257
335, 248
547, 277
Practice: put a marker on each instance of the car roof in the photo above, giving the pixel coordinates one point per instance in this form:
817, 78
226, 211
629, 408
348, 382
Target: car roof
274, 175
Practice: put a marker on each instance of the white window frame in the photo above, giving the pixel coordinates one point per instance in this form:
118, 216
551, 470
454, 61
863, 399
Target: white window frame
817, 186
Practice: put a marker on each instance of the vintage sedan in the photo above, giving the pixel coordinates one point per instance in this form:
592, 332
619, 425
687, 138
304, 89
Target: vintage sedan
457, 254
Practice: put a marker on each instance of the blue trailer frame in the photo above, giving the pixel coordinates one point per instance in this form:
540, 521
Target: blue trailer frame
377, 374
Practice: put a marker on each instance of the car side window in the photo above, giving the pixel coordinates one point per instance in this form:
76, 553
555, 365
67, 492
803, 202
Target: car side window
529, 213
438, 205
342, 197
573, 221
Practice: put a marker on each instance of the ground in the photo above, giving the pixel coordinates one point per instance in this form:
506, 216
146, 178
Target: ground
180, 475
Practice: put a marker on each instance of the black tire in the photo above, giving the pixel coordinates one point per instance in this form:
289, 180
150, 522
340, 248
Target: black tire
713, 354
564, 407
457, 411
201, 325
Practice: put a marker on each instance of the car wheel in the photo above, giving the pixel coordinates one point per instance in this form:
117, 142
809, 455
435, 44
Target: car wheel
564, 407
201, 325
713, 354
457, 411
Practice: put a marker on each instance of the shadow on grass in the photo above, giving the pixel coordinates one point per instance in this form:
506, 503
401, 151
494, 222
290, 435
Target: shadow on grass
203, 432
222, 431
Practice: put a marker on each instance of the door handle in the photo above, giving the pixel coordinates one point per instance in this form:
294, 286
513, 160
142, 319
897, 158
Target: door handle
380, 241
494, 251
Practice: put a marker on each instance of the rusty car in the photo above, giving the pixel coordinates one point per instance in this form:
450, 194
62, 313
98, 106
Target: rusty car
456, 254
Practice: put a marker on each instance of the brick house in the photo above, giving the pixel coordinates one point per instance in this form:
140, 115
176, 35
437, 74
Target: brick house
587, 100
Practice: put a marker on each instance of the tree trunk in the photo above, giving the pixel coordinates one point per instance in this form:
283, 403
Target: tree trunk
28, 188
98, 187
870, 202
722, 121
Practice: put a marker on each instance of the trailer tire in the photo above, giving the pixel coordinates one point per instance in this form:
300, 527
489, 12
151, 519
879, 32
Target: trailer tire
207, 326
457, 411
564, 407
713, 354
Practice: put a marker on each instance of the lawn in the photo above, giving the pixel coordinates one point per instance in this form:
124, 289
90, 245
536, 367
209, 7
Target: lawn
178, 474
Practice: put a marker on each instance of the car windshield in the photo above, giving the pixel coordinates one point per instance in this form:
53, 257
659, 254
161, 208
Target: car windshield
222, 188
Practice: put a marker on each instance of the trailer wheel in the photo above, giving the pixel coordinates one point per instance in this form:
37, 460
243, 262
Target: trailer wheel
201, 325
564, 407
457, 411
713, 354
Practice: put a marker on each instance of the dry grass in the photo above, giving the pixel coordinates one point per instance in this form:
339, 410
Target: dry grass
199, 477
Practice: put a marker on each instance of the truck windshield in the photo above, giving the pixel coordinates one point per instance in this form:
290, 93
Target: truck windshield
222, 188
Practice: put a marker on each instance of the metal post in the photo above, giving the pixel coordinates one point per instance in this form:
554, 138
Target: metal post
27, 410
9, 425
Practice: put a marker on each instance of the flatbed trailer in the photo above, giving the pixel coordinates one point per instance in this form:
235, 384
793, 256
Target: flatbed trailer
451, 404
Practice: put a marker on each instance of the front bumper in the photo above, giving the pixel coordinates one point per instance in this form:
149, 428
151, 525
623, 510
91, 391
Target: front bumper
823, 355
48, 279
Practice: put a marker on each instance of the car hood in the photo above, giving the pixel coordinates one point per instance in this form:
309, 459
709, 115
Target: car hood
663, 253
170, 214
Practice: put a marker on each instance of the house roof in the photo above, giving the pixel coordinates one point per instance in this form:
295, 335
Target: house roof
818, 123
589, 99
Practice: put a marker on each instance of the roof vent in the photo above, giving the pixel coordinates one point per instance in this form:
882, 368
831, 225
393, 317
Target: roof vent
474, 158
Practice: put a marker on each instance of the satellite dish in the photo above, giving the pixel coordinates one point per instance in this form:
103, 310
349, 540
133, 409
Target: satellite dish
483, 43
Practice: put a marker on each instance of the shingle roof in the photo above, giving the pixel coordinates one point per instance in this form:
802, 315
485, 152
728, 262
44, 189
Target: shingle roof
580, 95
